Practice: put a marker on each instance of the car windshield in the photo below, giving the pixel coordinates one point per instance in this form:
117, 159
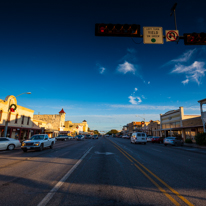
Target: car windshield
170, 137
37, 137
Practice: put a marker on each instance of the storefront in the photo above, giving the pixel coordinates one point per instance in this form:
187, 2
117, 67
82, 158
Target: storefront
19, 133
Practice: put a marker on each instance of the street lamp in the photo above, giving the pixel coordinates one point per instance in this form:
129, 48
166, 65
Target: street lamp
6, 122
142, 118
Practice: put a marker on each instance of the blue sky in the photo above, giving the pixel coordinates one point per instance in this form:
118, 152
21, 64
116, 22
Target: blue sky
49, 48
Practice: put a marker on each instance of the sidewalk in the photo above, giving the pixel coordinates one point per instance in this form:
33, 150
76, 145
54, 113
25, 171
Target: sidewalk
194, 145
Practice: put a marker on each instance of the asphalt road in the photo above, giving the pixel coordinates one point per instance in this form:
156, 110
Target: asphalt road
107, 171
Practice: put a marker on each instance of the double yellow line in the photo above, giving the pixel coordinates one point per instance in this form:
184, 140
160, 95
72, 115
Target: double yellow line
140, 167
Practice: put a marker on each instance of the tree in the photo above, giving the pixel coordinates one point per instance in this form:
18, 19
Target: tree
96, 132
113, 131
88, 129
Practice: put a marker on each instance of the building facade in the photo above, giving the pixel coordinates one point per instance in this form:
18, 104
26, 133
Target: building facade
175, 123
154, 128
76, 128
19, 120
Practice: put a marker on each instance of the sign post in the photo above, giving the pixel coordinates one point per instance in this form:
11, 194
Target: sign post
153, 35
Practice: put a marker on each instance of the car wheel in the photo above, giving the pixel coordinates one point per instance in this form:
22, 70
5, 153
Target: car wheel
41, 147
160, 142
11, 147
182, 144
144, 142
165, 144
24, 150
175, 144
52, 145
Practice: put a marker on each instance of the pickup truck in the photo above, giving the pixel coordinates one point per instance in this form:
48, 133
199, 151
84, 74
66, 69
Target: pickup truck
38, 142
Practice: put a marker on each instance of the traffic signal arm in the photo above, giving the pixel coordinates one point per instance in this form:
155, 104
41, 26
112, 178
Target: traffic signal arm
122, 30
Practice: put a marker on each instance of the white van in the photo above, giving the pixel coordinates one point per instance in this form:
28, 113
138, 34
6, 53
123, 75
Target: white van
139, 137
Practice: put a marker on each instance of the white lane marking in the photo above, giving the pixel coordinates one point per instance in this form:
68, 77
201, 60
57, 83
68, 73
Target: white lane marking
48, 197
157, 150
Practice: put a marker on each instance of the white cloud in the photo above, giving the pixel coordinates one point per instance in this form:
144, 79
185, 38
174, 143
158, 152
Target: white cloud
143, 97
126, 67
185, 57
194, 72
162, 108
149, 82
185, 81
133, 100
102, 69
135, 89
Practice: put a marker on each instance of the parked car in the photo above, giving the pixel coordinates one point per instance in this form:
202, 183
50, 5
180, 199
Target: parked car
95, 136
149, 138
38, 142
139, 137
157, 139
7, 143
62, 137
175, 141
88, 136
70, 137
79, 137
125, 137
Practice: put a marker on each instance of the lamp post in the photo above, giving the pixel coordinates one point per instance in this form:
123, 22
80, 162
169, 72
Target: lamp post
6, 122
141, 117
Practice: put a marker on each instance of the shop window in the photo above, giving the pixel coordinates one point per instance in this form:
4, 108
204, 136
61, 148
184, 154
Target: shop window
167, 125
22, 119
16, 120
163, 126
0, 115
172, 125
28, 120
177, 124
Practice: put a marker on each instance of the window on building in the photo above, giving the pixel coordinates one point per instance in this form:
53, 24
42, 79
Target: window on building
22, 119
28, 120
1, 114
177, 124
172, 125
9, 117
167, 125
16, 120
163, 126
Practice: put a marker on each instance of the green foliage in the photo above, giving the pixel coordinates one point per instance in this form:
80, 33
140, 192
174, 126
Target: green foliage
201, 138
113, 131
96, 132
188, 141
88, 129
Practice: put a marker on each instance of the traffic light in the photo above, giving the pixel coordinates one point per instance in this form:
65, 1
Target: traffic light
195, 39
123, 30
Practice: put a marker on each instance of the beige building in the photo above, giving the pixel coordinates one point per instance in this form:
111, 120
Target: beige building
55, 124
20, 119
76, 128
175, 122
154, 128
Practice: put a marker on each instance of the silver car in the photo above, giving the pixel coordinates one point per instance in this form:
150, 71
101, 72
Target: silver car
175, 141
8, 143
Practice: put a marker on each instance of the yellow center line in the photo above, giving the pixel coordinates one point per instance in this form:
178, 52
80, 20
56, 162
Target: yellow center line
165, 184
160, 188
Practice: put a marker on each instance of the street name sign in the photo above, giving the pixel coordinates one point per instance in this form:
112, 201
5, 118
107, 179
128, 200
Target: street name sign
171, 35
153, 35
